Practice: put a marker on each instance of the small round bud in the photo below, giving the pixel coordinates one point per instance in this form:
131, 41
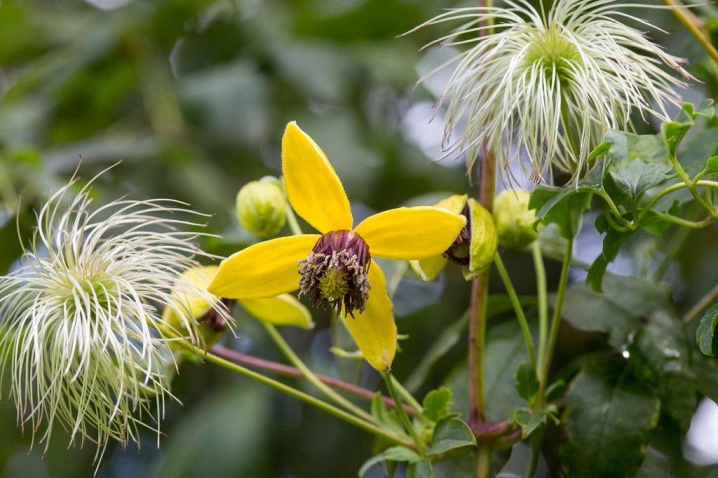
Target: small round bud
514, 220
262, 207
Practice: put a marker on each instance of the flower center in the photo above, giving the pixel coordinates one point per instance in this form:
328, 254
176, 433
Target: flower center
459, 252
553, 54
334, 275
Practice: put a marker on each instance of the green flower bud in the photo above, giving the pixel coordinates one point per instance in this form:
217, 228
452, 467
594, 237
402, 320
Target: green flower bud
514, 220
262, 207
484, 240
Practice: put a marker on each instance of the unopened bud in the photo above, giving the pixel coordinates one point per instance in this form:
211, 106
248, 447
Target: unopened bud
262, 207
484, 239
514, 220
209, 323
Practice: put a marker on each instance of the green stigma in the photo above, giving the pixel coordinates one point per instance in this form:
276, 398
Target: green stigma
334, 284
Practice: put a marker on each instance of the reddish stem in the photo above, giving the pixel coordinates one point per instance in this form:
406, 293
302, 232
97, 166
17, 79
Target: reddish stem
289, 371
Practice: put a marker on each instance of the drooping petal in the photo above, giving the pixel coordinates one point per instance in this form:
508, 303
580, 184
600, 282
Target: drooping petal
374, 330
429, 268
313, 188
281, 310
265, 269
410, 232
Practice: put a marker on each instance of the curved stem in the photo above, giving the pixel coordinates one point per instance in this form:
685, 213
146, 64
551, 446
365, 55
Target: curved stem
407, 397
310, 376
292, 392
405, 420
694, 25
705, 301
555, 322
516, 303
292, 221
675, 187
542, 294
691, 186
289, 371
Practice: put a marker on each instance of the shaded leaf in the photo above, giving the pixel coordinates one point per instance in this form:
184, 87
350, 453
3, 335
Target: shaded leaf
527, 383
609, 420
705, 334
395, 453
636, 177
450, 433
437, 404
563, 207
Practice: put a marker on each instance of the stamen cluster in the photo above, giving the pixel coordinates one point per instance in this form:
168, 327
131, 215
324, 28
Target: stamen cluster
335, 274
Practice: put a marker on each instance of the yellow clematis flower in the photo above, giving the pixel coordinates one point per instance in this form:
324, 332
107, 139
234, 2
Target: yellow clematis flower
335, 268
473, 249
280, 310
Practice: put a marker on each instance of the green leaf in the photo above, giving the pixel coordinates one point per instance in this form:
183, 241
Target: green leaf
636, 177
519, 463
673, 133
563, 207
437, 404
385, 417
529, 421
450, 433
527, 383
711, 166
660, 356
627, 147
422, 469
705, 334
618, 311
395, 453
609, 420
706, 371
612, 242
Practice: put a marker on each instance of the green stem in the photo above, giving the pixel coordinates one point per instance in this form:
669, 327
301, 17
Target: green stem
675, 187
405, 420
555, 322
694, 25
614, 209
516, 303
292, 221
330, 409
542, 294
407, 397
691, 185
685, 222
310, 376
696, 310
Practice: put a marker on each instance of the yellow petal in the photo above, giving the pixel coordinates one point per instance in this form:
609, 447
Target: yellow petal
453, 203
196, 306
429, 268
374, 330
313, 188
410, 232
265, 269
281, 310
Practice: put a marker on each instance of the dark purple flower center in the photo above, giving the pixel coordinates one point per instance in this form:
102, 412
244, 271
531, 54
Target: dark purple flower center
335, 274
459, 252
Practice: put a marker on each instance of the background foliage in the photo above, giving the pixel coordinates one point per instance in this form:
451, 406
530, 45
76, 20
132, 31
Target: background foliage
192, 96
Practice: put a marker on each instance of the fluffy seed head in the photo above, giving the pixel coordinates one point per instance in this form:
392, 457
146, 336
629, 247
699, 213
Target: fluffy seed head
545, 87
79, 320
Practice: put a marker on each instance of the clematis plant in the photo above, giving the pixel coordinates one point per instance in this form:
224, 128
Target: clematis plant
335, 268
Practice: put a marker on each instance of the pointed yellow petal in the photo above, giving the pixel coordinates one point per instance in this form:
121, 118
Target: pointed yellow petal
265, 269
453, 203
410, 232
429, 268
281, 310
313, 188
374, 330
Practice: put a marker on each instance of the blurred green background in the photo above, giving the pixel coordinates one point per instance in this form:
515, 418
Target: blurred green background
192, 97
